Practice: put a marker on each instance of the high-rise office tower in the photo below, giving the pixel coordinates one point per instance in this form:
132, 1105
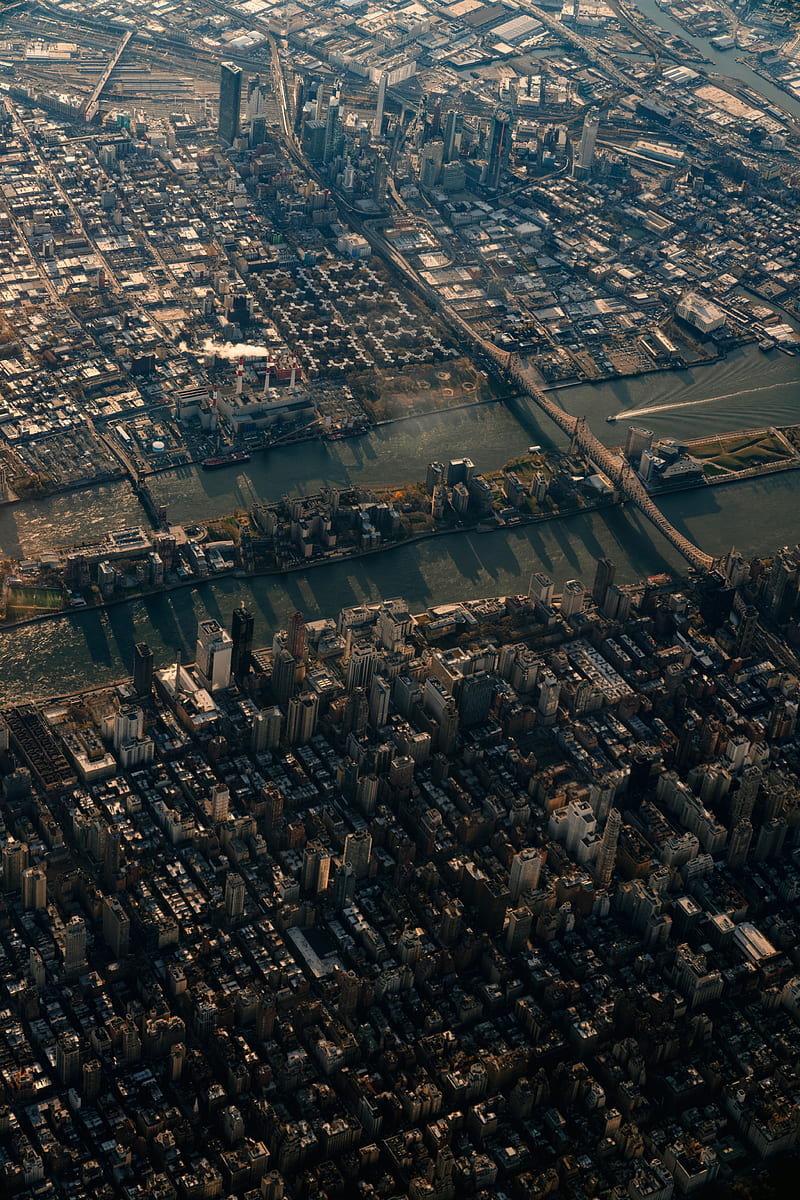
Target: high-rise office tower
549, 693
36, 968
380, 179
316, 868
572, 598
256, 97
112, 854
344, 885
34, 888
367, 793
380, 693
242, 626
298, 102
234, 895
603, 578
362, 666
258, 132
748, 625
499, 146
128, 724
213, 655
607, 854
266, 730
616, 604
68, 1057
744, 798
475, 696
377, 124
357, 852
638, 440
296, 636
739, 843
230, 101
430, 163
219, 802
116, 927
355, 714
284, 672
74, 945
453, 131
301, 719
525, 870
91, 1079
518, 929
591, 125
142, 669
273, 807
15, 860
331, 129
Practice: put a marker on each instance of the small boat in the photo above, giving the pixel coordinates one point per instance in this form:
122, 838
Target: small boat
611, 419
225, 460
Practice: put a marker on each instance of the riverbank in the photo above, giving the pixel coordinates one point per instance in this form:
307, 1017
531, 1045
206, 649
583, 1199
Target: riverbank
137, 474
64, 489
313, 564
782, 444
58, 656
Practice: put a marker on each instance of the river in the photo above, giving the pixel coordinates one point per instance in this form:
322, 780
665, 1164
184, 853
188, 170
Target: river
724, 60
64, 654
745, 390
94, 647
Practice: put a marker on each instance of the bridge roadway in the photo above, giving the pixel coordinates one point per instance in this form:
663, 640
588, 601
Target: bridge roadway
93, 103
613, 465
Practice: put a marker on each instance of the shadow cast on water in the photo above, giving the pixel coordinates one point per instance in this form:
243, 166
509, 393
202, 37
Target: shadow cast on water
10, 539
641, 544
93, 628
502, 559
160, 623
536, 426
257, 596
702, 503
537, 546
465, 558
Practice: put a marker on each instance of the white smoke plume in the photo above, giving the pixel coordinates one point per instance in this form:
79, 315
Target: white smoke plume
226, 350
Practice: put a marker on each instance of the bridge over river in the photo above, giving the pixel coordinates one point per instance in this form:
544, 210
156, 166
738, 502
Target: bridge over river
613, 465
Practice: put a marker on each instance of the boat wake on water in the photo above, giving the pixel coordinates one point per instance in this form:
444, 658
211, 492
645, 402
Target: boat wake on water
656, 408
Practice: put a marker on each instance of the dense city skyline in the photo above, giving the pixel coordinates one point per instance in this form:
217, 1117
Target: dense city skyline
399, 599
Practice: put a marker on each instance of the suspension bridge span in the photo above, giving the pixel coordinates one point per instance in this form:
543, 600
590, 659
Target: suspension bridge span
615, 466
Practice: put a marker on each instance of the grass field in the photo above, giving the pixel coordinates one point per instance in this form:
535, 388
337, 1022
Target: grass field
739, 451
34, 599
423, 388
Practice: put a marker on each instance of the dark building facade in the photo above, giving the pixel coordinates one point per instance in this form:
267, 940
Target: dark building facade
230, 101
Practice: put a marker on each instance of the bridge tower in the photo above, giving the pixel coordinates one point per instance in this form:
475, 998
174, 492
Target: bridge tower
578, 439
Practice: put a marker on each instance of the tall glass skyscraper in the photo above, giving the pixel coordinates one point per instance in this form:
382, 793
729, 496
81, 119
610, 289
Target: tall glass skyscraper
499, 145
230, 100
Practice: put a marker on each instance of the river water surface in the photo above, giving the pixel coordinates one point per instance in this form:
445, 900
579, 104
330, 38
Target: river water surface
746, 390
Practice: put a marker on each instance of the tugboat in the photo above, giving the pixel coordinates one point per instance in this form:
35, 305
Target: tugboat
225, 460
611, 419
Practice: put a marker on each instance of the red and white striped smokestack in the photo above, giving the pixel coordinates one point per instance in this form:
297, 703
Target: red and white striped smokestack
214, 396
267, 374
240, 376
294, 371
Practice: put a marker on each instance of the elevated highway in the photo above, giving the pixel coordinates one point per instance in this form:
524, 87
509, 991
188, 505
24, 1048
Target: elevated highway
93, 103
